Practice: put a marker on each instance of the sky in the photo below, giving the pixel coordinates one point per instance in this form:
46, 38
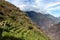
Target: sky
44, 6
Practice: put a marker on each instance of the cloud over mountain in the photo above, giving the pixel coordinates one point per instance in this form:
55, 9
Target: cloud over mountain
45, 6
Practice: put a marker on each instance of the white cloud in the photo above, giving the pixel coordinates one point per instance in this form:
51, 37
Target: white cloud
53, 6
37, 5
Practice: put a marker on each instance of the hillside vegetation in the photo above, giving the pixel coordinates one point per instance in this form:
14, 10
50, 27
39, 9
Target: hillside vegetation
16, 25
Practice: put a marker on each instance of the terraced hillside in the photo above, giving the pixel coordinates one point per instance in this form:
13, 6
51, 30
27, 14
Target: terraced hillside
16, 25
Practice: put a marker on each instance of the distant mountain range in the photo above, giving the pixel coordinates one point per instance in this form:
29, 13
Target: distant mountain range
46, 23
43, 20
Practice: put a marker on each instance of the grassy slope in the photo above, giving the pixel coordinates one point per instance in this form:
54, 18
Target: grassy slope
16, 25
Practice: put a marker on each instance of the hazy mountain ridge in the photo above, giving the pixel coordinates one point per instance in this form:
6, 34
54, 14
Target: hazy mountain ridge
46, 23
55, 19
42, 19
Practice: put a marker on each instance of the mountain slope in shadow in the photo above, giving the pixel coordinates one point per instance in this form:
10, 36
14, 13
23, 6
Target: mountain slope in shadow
43, 20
